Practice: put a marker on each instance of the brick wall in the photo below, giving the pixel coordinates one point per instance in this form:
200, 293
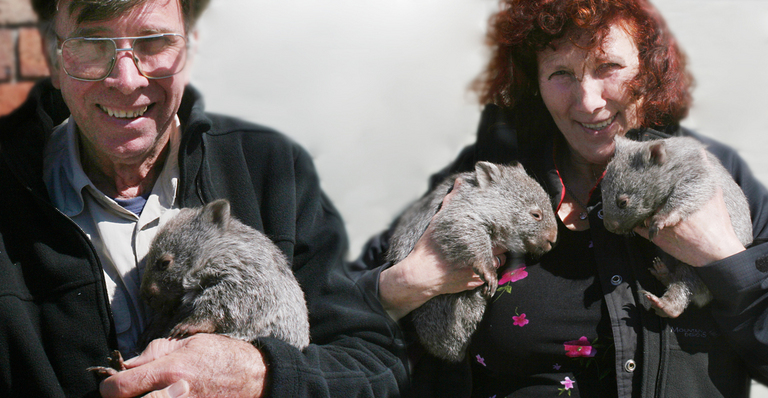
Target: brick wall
21, 55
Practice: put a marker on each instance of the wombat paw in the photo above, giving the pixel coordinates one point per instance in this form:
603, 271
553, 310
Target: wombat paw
491, 280
659, 270
116, 364
661, 308
653, 230
185, 329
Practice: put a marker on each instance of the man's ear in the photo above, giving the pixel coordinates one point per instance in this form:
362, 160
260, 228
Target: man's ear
49, 51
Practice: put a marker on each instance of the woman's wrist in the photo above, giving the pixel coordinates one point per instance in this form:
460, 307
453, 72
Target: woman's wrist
397, 292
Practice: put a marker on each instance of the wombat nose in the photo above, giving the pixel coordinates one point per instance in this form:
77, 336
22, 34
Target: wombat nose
552, 239
611, 225
150, 290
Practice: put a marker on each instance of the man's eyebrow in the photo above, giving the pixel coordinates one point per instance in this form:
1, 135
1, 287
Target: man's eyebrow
88, 32
104, 32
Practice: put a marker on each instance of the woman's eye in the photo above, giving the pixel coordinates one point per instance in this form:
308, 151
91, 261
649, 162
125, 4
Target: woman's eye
559, 73
608, 67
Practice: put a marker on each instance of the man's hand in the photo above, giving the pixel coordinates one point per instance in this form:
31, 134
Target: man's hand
705, 237
203, 365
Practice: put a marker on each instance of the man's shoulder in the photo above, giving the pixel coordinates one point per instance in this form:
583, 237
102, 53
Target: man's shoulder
229, 128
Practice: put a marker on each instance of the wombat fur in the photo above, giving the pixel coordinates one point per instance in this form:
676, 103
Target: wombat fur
207, 272
496, 205
667, 181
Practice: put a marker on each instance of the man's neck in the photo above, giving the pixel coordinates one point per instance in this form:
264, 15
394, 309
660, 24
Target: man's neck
124, 179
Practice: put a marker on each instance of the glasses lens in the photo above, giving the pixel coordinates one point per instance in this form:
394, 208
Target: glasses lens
89, 59
160, 56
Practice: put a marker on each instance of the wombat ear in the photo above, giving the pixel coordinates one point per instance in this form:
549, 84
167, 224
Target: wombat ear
658, 153
486, 172
217, 212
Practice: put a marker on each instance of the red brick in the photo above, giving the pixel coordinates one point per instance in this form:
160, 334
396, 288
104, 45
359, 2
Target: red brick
31, 59
6, 55
13, 95
16, 12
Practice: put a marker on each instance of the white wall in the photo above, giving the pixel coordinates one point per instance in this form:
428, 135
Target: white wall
377, 91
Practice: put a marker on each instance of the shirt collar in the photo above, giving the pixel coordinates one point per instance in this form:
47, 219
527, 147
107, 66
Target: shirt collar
66, 180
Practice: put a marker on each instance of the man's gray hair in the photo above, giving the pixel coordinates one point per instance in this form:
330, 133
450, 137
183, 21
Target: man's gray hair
102, 10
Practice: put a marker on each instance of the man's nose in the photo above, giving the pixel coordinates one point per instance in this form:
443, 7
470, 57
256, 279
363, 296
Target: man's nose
125, 75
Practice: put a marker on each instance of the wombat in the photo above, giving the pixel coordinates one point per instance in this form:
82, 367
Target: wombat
496, 205
207, 272
666, 181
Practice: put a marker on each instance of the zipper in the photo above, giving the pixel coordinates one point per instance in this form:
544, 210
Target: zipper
43, 202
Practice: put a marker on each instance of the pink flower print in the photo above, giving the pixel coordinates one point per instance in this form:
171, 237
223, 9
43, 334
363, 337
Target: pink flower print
480, 360
556, 366
567, 383
513, 275
520, 320
579, 348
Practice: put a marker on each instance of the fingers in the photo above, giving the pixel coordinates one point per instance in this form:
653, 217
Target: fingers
156, 349
499, 257
138, 378
452, 191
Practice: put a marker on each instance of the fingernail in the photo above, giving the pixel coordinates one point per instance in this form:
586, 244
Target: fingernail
178, 389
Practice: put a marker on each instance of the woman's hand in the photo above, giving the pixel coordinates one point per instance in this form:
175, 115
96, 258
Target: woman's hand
705, 237
424, 274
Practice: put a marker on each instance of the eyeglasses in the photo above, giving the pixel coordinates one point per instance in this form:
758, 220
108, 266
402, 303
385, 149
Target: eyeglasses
92, 58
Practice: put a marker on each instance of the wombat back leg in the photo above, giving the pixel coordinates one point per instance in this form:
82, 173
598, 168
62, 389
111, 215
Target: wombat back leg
661, 272
674, 301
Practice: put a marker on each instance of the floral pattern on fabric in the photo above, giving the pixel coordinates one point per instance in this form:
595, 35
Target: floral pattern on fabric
567, 386
579, 348
520, 320
510, 276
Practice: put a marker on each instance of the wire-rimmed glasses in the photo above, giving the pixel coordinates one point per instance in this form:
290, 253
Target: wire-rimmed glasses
92, 58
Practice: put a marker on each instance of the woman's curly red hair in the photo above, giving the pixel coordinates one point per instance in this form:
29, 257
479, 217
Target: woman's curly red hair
523, 27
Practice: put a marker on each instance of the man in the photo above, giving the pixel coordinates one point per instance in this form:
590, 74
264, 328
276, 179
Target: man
100, 155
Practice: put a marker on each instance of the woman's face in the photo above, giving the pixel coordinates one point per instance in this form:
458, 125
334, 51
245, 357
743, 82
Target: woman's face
586, 93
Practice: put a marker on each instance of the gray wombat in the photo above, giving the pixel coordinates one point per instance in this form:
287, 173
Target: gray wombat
496, 205
207, 272
666, 181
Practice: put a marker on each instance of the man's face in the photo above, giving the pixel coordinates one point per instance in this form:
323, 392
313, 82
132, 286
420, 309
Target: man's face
126, 115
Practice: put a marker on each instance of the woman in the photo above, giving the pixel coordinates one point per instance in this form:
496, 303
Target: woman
565, 78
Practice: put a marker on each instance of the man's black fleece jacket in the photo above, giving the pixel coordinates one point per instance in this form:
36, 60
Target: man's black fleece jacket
55, 319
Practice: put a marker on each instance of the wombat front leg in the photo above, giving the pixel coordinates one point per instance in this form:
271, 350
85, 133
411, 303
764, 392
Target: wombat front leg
190, 326
485, 268
660, 221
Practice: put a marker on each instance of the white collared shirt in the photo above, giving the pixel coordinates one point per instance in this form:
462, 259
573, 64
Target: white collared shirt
121, 238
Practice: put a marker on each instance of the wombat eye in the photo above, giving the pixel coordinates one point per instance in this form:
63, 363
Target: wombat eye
536, 214
164, 262
621, 203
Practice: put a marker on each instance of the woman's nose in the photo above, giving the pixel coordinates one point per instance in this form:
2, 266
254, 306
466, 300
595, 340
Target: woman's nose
590, 94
